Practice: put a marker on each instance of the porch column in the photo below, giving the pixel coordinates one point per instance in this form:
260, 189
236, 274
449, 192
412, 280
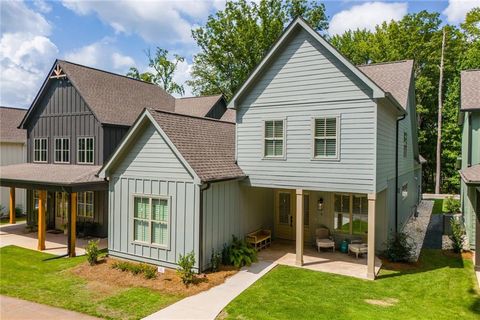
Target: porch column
12, 205
299, 228
371, 236
73, 224
42, 200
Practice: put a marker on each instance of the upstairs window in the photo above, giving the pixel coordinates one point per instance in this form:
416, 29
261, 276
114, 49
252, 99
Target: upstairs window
274, 139
325, 138
62, 150
40, 148
85, 150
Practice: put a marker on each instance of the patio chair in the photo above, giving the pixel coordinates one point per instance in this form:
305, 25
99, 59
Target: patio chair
358, 247
323, 239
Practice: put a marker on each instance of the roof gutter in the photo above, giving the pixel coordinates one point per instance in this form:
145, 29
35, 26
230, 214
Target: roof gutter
396, 170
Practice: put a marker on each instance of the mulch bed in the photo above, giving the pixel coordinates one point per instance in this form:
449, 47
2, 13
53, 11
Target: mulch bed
104, 277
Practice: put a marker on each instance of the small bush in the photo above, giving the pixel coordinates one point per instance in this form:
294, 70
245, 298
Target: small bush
18, 211
92, 252
399, 248
452, 205
148, 271
238, 253
186, 264
457, 234
215, 260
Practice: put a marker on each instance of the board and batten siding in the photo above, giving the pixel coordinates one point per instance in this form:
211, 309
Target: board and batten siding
151, 168
62, 113
303, 82
232, 208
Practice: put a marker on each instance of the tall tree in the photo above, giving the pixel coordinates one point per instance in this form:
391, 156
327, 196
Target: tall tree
163, 71
439, 118
234, 40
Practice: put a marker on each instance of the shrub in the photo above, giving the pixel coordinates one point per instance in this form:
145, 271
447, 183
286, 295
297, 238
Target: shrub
399, 248
452, 205
148, 271
186, 264
215, 260
238, 253
457, 234
92, 252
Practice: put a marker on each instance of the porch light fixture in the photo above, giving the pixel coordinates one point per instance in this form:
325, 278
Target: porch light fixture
320, 204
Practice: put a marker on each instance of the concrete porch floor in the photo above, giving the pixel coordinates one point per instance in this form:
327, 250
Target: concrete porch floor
15, 234
283, 252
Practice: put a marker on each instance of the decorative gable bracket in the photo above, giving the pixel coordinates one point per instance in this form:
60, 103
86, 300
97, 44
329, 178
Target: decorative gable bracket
57, 73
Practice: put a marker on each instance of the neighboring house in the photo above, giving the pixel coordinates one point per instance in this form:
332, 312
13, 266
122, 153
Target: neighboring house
470, 172
12, 150
316, 143
76, 121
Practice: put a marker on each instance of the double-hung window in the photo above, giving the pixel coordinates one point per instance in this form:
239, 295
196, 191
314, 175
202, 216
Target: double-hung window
40, 149
62, 150
351, 213
274, 139
85, 150
325, 144
85, 204
150, 220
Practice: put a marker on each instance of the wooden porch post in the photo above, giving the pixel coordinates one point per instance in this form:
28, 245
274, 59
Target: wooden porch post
12, 205
42, 200
372, 197
299, 228
73, 224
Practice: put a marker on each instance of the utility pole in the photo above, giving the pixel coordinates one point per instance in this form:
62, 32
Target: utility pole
439, 127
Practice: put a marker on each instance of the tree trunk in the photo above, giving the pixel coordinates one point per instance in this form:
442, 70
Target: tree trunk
439, 127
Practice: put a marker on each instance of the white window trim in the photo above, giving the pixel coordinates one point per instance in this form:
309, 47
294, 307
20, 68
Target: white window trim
284, 155
405, 184
62, 150
84, 201
132, 218
46, 150
337, 146
78, 150
350, 213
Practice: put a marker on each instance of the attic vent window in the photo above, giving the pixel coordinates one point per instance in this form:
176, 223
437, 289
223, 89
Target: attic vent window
57, 73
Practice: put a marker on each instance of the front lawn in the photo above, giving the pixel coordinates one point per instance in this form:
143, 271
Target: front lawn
27, 274
440, 286
439, 207
7, 220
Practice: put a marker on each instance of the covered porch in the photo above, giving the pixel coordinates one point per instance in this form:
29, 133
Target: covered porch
46, 179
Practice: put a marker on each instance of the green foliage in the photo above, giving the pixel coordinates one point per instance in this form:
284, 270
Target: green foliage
234, 40
400, 248
238, 253
164, 70
92, 252
458, 234
452, 205
215, 260
148, 271
185, 271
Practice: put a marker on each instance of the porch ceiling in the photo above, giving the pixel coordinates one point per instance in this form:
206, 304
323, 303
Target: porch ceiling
52, 176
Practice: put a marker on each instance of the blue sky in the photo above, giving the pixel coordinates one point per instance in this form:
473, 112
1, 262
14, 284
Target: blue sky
113, 35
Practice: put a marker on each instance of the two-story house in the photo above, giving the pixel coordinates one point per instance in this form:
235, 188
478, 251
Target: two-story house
316, 142
470, 172
76, 121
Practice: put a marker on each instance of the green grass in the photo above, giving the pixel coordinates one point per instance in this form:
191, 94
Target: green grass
27, 274
442, 287
7, 220
439, 207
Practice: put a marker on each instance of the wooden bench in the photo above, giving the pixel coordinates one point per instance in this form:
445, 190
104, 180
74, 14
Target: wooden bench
259, 239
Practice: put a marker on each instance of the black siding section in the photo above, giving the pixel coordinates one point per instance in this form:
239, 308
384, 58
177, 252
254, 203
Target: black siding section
217, 110
113, 135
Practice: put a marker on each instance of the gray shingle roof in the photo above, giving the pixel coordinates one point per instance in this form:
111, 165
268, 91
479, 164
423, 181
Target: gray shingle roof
113, 98
470, 90
392, 77
208, 145
54, 174
10, 119
229, 115
196, 106
471, 174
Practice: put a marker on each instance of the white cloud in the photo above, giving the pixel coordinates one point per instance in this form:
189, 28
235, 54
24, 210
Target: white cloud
182, 74
154, 21
457, 9
42, 6
366, 16
103, 55
26, 53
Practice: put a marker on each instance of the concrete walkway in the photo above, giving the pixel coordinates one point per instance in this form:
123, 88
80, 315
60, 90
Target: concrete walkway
17, 309
15, 234
208, 304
